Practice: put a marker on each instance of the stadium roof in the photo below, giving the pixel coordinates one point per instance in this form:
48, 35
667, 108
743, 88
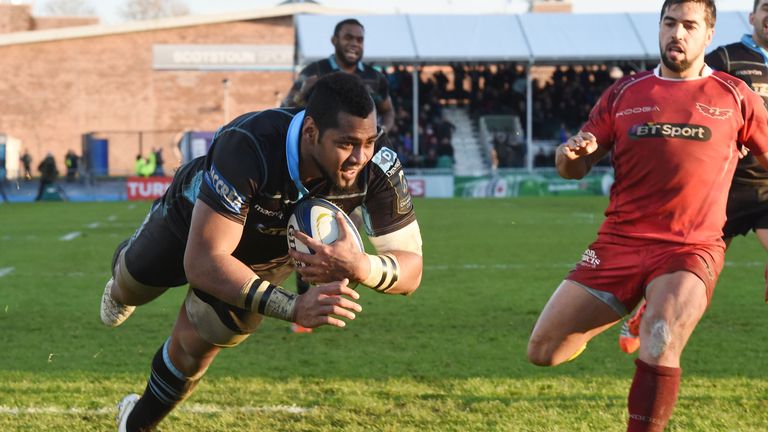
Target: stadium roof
538, 37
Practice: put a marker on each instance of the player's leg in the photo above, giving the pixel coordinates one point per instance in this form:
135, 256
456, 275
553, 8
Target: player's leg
177, 367
676, 297
572, 316
762, 235
142, 269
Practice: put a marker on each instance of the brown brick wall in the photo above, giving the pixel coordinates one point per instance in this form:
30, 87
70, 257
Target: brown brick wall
53, 92
45, 23
14, 18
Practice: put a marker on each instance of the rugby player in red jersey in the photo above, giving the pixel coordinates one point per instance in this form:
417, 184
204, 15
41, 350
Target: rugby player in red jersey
672, 134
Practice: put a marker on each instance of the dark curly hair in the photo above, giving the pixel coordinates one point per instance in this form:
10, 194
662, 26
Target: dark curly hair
335, 93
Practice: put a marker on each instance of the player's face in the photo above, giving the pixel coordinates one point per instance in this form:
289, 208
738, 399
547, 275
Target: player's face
683, 36
342, 152
759, 21
349, 44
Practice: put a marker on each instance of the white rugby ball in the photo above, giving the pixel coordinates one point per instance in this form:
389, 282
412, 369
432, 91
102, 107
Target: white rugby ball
316, 218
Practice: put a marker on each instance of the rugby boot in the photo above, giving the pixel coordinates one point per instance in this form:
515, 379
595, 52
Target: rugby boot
124, 408
629, 336
298, 328
113, 313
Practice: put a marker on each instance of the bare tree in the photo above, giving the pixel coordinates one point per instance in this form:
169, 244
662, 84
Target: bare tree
69, 8
152, 9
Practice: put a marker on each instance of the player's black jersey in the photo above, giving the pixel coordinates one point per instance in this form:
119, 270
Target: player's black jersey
745, 60
250, 176
374, 80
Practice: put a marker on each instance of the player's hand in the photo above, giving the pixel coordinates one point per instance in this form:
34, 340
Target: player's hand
581, 144
743, 150
325, 304
338, 260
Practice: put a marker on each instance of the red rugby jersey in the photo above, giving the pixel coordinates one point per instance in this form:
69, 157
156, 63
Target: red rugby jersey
674, 152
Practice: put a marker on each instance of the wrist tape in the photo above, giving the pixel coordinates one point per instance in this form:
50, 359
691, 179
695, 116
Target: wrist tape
269, 300
385, 270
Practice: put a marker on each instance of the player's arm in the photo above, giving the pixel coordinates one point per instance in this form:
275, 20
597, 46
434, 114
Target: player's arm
210, 267
395, 268
297, 96
575, 158
386, 112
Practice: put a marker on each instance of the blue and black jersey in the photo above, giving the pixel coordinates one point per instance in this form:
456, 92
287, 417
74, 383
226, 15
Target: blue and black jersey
749, 62
250, 176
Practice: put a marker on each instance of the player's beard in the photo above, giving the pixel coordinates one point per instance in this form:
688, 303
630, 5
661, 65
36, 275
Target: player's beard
679, 67
760, 37
334, 180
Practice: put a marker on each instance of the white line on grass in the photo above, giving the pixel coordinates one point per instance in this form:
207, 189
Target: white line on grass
70, 236
5, 271
192, 408
93, 225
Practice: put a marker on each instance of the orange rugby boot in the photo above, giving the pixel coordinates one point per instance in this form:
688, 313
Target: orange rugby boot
298, 328
629, 336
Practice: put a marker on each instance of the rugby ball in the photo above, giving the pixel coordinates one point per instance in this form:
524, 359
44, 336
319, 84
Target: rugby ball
316, 218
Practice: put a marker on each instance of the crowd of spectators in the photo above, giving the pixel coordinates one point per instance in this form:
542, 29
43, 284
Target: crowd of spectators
561, 103
435, 131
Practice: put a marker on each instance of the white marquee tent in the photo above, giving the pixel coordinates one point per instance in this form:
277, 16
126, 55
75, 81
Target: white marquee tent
533, 39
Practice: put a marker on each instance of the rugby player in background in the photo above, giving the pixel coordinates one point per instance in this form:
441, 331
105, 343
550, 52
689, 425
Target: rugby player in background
349, 44
662, 236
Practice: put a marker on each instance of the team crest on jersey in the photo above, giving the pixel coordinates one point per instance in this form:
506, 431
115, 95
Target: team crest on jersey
387, 160
715, 113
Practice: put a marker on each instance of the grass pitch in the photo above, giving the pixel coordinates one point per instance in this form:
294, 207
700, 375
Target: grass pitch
449, 358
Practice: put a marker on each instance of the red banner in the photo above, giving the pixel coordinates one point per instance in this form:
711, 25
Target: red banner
146, 188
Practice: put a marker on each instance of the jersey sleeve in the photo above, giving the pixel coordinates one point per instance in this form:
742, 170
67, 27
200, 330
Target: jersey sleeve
388, 205
600, 121
754, 132
234, 170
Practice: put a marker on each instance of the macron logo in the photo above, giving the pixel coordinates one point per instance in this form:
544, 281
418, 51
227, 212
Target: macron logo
231, 199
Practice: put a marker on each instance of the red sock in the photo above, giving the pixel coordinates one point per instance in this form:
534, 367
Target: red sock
652, 397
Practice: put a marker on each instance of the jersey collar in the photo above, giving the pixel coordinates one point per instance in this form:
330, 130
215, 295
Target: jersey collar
707, 71
750, 43
292, 151
335, 66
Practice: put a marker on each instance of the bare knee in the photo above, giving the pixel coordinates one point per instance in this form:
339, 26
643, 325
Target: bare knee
541, 351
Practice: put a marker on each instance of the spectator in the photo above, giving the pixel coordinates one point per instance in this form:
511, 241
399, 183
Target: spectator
48, 175
3, 179
26, 163
71, 161
158, 153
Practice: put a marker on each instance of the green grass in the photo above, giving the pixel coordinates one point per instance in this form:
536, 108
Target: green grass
449, 358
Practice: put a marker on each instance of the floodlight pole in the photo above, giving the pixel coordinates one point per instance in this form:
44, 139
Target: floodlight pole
225, 84
529, 116
415, 90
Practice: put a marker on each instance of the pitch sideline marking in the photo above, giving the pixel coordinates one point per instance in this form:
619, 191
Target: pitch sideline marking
6, 271
70, 236
192, 408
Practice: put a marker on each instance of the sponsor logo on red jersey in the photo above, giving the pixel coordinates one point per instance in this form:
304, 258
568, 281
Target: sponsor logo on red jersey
715, 113
670, 130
